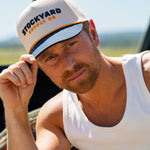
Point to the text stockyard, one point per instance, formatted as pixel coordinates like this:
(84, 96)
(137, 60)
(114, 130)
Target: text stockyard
(39, 18)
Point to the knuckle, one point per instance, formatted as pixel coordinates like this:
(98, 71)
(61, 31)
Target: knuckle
(11, 66)
(14, 67)
(9, 74)
(29, 76)
(5, 72)
(23, 57)
(21, 64)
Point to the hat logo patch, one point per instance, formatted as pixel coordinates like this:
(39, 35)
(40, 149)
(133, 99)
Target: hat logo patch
(40, 20)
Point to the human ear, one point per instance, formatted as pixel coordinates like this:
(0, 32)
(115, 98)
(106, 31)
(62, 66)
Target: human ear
(93, 33)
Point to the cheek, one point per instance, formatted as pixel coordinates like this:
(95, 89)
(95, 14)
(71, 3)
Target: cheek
(54, 74)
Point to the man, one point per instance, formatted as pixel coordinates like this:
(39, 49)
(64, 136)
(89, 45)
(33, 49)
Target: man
(105, 103)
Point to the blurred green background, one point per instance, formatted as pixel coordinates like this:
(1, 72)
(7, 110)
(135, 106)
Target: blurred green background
(114, 45)
(120, 27)
(12, 54)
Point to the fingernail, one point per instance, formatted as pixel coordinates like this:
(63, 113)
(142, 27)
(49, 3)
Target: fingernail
(25, 85)
(30, 81)
(31, 58)
(19, 84)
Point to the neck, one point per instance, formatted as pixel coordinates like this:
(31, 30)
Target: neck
(110, 80)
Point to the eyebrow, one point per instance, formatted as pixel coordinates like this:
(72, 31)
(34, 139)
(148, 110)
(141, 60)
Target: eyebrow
(64, 43)
(44, 54)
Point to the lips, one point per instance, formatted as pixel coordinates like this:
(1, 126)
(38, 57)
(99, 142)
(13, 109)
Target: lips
(77, 75)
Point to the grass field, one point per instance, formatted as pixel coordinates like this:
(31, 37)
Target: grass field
(118, 51)
(12, 55)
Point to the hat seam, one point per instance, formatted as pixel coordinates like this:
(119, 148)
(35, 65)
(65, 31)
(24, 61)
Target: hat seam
(71, 8)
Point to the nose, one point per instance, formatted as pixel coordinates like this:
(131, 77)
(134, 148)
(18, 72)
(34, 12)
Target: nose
(67, 61)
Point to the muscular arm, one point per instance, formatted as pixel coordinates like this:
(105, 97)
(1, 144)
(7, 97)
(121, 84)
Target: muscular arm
(146, 69)
(50, 132)
(16, 87)
(19, 132)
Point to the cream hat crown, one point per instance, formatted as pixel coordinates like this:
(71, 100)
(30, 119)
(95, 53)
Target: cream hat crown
(47, 22)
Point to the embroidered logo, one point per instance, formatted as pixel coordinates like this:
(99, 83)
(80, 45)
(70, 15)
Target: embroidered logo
(40, 20)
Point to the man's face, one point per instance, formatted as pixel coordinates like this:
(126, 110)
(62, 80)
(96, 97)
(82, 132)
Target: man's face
(73, 64)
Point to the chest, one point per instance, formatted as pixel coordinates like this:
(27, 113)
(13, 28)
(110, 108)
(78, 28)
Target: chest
(105, 115)
(130, 132)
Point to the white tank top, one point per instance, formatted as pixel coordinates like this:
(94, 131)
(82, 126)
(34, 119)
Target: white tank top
(131, 133)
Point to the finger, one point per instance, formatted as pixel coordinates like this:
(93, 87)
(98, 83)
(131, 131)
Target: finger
(17, 70)
(30, 71)
(23, 72)
(8, 76)
(32, 63)
(28, 58)
(26, 76)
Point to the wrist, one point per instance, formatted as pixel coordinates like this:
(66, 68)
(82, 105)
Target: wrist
(16, 108)
(20, 114)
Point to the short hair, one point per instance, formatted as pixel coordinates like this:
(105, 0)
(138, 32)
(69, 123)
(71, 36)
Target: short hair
(86, 27)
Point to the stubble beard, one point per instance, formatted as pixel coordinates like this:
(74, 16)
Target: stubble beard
(86, 82)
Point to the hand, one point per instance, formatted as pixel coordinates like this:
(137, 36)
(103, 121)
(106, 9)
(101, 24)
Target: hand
(17, 83)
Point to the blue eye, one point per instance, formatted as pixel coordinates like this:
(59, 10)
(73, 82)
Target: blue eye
(71, 44)
(51, 57)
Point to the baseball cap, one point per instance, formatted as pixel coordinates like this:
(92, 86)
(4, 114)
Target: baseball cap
(47, 22)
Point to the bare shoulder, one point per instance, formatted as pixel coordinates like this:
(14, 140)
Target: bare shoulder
(52, 112)
(49, 127)
(146, 58)
(146, 68)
